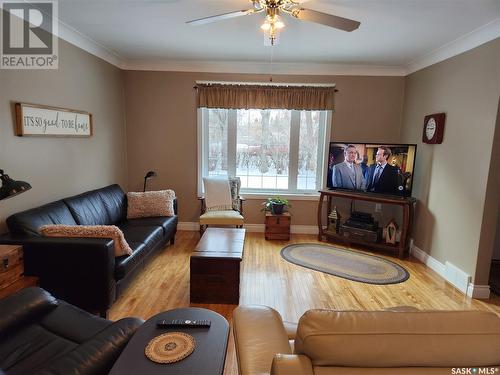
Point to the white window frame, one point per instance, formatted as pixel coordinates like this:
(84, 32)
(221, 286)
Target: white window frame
(291, 192)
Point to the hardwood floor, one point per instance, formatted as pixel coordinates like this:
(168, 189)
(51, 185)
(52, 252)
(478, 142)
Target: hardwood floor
(267, 279)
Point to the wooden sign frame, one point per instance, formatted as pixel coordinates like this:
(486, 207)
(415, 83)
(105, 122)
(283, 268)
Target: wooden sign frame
(42, 120)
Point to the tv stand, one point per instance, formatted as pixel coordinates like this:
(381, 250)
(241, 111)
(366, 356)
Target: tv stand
(407, 205)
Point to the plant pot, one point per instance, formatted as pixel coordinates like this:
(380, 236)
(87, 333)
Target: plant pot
(277, 209)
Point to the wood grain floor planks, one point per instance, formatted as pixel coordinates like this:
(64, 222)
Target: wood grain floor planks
(267, 279)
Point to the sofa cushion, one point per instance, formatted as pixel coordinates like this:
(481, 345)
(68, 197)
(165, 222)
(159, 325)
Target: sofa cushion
(90, 231)
(167, 223)
(150, 204)
(125, 264)
(370, 338)
(27, 222)
(103, 206)
(149, 236)
(115, 202)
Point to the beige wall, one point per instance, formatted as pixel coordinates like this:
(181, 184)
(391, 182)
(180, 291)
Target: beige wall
(59, 167)
(162, 128)
(489, 228)
(451, 178)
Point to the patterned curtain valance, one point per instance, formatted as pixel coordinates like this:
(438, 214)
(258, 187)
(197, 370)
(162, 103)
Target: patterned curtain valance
(242, 96)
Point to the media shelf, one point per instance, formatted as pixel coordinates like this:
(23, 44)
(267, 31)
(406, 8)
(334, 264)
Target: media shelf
(407, 204)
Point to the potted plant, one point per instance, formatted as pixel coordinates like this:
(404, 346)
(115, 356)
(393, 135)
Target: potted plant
(276, 205)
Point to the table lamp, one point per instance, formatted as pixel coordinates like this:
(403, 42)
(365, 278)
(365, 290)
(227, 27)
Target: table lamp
(11, 187)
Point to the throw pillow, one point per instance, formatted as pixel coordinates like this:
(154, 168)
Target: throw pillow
(235, 184)
(150, 204)
(91, 231)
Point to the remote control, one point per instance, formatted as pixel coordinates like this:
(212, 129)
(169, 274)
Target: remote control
(183, 323)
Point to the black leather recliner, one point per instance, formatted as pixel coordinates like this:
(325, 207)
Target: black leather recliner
(84, 271)
(42, 335)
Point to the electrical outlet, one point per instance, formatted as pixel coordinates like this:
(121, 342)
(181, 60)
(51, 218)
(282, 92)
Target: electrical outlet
(378, 207)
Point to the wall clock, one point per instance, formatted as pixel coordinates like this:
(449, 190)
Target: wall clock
(434, 128)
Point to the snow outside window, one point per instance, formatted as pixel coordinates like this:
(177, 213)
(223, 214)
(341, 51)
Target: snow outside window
(271, 150)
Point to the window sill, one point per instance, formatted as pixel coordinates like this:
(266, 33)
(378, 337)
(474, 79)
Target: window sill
(291, 197)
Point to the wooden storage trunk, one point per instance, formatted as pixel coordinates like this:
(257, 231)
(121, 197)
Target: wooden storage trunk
(278, 226)
(11, 264)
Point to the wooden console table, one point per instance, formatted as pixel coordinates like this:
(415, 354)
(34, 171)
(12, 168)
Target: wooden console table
(406, 203)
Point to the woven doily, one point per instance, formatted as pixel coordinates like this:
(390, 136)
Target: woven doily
(170, 347)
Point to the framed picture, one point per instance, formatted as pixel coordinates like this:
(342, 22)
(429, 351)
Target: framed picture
(40, 120)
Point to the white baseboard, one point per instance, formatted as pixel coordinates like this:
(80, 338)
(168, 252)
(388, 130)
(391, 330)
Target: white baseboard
(258, 228)
(426, 259)
(478, 291)
(187, 225)
(456, 277)
(452, 274)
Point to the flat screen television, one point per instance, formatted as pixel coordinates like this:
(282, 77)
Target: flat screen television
(379, 168)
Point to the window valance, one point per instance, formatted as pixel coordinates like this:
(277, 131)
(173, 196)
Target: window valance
(244, 96)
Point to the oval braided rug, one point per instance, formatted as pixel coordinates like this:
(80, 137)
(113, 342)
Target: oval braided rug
(345, 263)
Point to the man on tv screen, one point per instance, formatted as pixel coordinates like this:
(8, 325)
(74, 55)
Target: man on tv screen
(383, 177)
(348, 174)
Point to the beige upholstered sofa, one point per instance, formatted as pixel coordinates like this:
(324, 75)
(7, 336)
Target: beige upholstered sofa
(396, 341)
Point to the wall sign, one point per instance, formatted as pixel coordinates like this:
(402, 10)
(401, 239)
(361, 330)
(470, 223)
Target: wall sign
(32, 119)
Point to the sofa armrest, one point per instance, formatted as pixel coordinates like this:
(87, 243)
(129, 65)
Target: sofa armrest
(77, 270)
(175, 206)
(291, 364)
(98, 354)
(27, 304)
(259, 335)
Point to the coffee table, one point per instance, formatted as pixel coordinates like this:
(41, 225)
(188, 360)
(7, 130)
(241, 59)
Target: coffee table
(215, 266)
(207, 358)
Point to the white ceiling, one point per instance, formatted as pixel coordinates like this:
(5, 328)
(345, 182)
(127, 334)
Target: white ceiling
(393, 33)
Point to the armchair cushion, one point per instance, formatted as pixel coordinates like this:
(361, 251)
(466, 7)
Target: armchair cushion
(230, 217)
(58, 338)
(369, 338)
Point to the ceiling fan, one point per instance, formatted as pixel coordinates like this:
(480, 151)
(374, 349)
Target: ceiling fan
(273, 9)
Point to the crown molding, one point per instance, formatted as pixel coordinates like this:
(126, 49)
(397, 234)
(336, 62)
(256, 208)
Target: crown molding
(89, 45)
(264, 68)
(474, 39)
(467, 42)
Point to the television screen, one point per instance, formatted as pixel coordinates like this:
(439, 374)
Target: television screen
(372, 167)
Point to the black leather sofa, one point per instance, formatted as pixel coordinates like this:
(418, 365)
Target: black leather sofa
(43, 335)
(84, 271)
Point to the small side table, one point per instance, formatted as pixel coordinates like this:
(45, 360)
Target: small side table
(208, 357)
(278, 226)
(12, 277)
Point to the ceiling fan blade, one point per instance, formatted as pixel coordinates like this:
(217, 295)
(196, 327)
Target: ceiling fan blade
(223, 16)
(325, 19)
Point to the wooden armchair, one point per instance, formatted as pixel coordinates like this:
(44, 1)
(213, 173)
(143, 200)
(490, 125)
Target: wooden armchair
(225, 217)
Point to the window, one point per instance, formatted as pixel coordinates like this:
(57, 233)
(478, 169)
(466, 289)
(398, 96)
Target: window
(271, 150)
